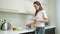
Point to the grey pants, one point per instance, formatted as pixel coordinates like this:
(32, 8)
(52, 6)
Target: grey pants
(40, 30)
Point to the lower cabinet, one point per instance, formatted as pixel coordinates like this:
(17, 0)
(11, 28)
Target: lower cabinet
(50, 31)
(47, 31)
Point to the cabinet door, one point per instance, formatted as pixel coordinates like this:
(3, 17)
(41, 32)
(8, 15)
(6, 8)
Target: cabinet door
(21, 6)
(15, 5)
(50, 31)
(28, 6)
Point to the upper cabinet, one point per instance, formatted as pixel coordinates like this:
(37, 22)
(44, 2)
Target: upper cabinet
(28, 6)
(19, 6)
(12, 5)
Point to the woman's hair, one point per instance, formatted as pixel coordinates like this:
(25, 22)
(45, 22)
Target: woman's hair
(38, 3)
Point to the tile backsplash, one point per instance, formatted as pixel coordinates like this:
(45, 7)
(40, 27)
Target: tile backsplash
(15, 19)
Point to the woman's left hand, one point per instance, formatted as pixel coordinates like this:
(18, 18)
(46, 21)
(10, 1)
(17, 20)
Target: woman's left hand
(38, 20)
(45, 20)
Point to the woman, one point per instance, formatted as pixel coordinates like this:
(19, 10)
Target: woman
(41, 18)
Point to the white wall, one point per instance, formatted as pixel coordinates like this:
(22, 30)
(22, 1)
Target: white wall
(15, 19)
(51, 10)
(58, 16)
(54, 13)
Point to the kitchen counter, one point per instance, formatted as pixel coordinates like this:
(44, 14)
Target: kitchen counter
(22, 31)
(7, 32)
(25, 31)
(48, 27)
(16, 32)
(31, 30)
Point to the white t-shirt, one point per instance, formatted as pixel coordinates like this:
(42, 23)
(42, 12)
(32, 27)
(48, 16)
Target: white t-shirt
(40, 16)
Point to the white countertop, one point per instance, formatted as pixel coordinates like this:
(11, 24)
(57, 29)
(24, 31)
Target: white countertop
(15, 32)
(7, 32)
(48, 27)
(31, 30)
(22, 31)
(25, 31)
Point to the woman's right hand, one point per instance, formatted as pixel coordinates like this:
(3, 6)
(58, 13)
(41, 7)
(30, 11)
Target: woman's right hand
(28, 26)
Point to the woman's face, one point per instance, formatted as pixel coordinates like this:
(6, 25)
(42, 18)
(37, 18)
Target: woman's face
(36, 6)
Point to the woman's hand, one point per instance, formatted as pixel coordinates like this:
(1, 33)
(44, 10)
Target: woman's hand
(28, 25)
(38, 20)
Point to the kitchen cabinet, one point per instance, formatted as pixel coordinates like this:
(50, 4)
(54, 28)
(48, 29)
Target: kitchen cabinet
(47, 31)
(50, 31)
(28, 6)
(19, 6)
(12, 5)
